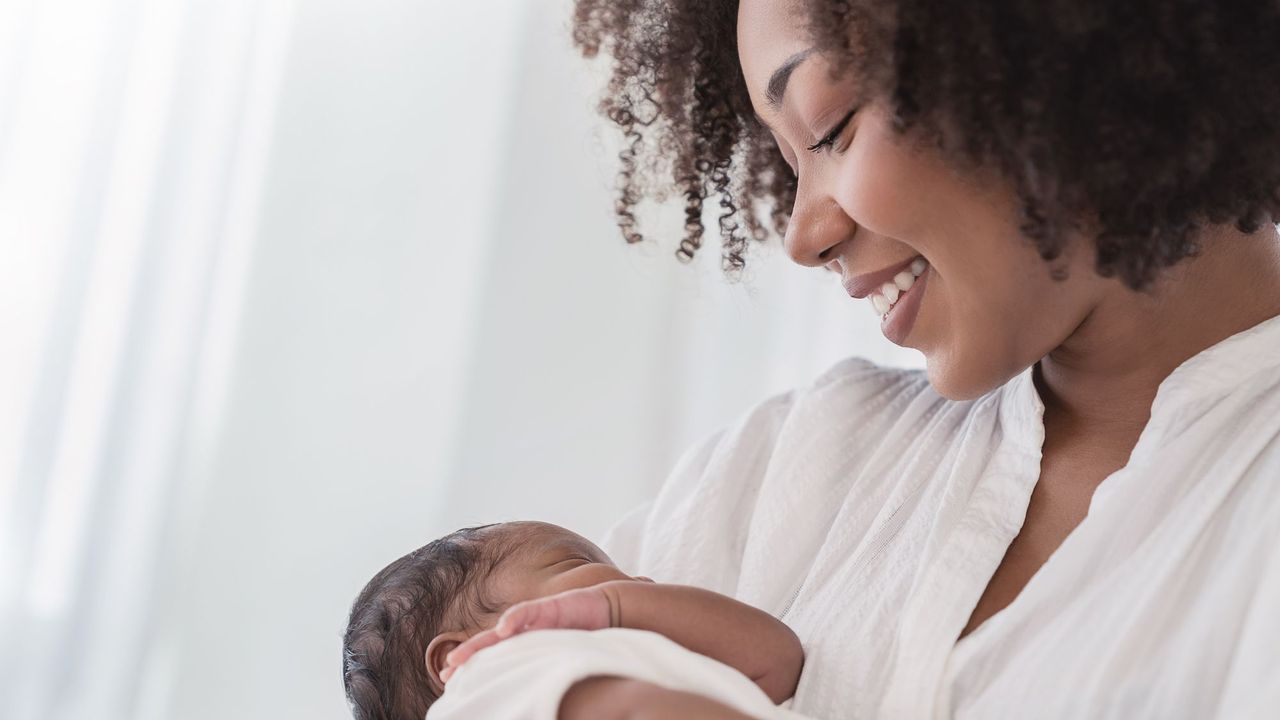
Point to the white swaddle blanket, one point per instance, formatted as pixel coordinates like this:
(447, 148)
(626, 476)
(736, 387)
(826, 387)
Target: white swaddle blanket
(525, 677)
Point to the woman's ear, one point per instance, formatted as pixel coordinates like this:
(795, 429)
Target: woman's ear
(439, 648)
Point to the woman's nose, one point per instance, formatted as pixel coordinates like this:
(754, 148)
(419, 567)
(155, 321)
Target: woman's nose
(816, 227)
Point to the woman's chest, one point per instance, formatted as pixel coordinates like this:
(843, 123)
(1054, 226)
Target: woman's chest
(1058, 504)
(1131, 621)
(1131, 587)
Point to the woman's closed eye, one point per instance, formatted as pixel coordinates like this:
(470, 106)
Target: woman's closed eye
(831, 137)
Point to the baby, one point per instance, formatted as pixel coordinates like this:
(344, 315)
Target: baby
(477, 586)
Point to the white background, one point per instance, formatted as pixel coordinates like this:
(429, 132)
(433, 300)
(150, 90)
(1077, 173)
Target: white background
(415, 314)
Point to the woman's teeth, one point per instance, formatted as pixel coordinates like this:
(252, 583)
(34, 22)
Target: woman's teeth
(884, 299)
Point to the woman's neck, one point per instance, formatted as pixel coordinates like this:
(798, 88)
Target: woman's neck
(1101, 382)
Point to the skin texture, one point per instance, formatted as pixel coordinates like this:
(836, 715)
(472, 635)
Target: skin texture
(991, 309)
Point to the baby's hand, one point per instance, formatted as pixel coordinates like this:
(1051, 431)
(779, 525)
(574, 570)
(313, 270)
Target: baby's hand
(583, 609)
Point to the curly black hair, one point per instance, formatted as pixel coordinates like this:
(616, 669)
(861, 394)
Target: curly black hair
(1135, 122)
(397, 614)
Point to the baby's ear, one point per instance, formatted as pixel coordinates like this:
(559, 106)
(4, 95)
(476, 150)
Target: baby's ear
(439, 647)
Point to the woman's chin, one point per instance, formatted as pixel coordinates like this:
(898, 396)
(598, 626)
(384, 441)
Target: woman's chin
(957, 380)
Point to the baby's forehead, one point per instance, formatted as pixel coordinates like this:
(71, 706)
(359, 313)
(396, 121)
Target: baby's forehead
(539, 538)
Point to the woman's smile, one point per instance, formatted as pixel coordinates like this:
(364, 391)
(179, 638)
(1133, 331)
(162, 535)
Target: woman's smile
(884, 297)
(897, 286)
(902, 304)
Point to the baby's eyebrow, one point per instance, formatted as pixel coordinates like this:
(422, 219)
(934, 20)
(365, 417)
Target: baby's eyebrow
(578, 547)
(559, 546)
(560, 561)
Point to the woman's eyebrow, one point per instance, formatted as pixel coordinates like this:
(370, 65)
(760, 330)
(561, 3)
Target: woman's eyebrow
(778, 81)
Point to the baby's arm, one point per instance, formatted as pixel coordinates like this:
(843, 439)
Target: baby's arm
(746, 638)
(749, 640)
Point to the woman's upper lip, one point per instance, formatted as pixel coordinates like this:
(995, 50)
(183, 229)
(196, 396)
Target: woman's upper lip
(863, 285)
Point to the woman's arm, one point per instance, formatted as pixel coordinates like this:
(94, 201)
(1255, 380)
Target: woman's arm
(612, 698)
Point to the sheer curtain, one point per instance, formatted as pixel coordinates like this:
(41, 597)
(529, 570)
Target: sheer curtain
(131, 158)
(287, 289)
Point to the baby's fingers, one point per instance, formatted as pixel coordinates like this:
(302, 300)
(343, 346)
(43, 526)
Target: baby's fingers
(531, 615)
(474, 644)
(582, 609)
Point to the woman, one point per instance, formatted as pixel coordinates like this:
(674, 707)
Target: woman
(1074, 512)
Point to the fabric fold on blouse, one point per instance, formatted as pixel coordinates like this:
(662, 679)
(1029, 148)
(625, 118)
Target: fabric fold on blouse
(869, 513)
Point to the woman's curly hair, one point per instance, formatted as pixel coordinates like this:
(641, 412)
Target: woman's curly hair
(1134, 121)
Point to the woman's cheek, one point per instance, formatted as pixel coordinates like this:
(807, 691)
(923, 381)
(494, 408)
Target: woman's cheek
(888, 188)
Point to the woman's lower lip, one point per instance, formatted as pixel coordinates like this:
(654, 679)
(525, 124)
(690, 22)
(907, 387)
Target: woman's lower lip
(897, 323)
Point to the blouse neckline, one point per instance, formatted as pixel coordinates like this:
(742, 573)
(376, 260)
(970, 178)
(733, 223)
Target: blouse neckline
(1209, 374)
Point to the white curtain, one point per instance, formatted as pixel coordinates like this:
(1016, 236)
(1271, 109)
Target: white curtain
(132, 140)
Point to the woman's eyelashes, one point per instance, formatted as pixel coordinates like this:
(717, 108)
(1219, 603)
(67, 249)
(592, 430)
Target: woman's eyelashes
(832, 136)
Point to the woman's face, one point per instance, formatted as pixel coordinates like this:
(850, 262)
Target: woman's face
(986, 307)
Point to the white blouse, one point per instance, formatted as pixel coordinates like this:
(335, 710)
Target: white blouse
(869, 513)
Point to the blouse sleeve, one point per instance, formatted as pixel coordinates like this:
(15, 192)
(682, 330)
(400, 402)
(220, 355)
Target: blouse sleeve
(753, 480)
(695, 531)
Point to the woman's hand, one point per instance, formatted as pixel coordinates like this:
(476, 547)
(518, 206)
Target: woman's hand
(614, 698)
(583, 609)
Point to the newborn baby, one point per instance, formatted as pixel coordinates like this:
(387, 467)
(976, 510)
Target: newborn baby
(421, 617)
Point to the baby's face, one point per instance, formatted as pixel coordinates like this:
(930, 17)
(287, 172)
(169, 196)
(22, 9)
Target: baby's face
(547, 560)
(537, 560)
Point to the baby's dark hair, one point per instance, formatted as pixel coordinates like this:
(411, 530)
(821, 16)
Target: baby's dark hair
(397, 614)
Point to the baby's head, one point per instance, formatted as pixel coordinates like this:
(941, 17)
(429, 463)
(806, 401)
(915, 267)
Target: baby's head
(420, 607)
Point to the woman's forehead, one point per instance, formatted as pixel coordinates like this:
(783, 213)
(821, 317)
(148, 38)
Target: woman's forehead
(771, 35)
